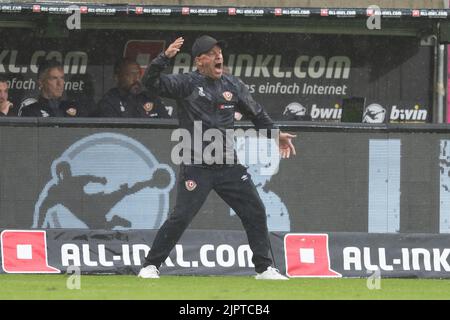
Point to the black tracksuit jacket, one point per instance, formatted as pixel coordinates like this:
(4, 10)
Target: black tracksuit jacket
(116, 103)
(41, 108)
(199, 98)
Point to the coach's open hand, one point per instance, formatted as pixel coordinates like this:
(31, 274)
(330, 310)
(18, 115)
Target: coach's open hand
(174, 48)
(285, 144)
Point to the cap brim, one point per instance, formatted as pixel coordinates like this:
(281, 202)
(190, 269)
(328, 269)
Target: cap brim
(222, 44)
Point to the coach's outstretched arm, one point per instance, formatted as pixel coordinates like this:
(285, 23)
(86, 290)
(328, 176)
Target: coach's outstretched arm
(170, 86)
(177, 86)
(262, 120)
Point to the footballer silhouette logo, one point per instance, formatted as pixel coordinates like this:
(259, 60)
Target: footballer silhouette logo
(296, 111)
(105, 181)
(374, 113)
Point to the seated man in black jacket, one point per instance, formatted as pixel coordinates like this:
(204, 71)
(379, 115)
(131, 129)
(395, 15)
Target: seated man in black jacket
(51, 101)
(128, 99)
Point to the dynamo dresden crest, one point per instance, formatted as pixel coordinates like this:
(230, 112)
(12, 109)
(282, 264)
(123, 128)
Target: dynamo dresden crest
(228, 95)
(148, 106)
(190, 185)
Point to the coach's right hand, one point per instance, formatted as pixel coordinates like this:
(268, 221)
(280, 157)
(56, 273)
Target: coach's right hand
(174, 48)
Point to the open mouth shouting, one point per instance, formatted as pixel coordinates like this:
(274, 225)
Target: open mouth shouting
(218, 68)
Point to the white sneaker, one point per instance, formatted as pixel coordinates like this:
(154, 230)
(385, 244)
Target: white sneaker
(149, 272)
(270, 274)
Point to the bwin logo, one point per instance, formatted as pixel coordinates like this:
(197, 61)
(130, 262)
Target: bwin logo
(105, 181)
(326, 113)
(374, 113)
(399, 114)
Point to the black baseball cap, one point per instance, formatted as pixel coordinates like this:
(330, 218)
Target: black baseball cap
(204, 44)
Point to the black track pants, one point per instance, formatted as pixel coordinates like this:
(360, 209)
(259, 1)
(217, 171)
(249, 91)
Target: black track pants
(234, 185)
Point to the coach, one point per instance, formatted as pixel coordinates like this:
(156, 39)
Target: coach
(210, 97)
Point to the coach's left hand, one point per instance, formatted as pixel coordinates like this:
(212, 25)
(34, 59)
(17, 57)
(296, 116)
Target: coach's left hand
(285, 144)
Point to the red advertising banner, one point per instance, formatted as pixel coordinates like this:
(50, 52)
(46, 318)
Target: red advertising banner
(207, 252)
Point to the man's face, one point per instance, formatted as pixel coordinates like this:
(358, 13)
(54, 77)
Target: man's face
(210, 64)
(129, 78)
(3, 92)
(52, 83)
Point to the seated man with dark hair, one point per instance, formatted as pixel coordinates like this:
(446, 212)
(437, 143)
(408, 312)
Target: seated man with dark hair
(129, 99)
(51, 101)
(5, 104)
